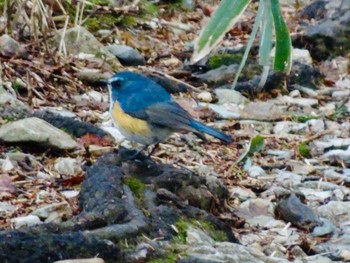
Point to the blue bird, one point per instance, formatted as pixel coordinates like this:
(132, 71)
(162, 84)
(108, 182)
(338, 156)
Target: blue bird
(145, 112)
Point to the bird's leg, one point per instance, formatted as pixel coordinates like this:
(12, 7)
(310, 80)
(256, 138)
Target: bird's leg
(132, 157)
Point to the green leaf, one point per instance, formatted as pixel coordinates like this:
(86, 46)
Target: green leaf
(256, 144)
(304, 150)
(250, 41)
(266, 35)
(283, 51)
(222, 20)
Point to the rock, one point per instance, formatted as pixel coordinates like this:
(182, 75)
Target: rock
(36, 131)
(79, 40)
(336, 68)
(70, 193)
(262, 110)
(299, 101)
(188, 5)
(326, 228)
(307, 91)
(255, 207)
(22, 159)
(220, 75)
(316, 125)
(126, 55)
(338, 155)
(242, 194)
(223, 111)
(287, 179)
(327, 37)
(54, 212)
(205, 96)
(85, 260)
(321, 9)
(68, 166)
(285, 127)
(95, 96)
(336, 211)
(295, 94)
(302, 56)
(230, 96)
(9, 100)
(6, 208)
(256, 171)
(11, 48)
(280, 154)
(291, 209)
(265, 222)
(25, 221)
(341, 94)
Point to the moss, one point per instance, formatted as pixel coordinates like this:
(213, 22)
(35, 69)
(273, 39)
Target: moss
(135, 185)
(171, 257)
(303, 118)
(219, 60)
(304, 150)
(183, 224)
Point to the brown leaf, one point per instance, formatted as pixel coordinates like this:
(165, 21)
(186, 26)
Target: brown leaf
(93, 139)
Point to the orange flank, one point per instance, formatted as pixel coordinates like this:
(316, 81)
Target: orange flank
(129, 123)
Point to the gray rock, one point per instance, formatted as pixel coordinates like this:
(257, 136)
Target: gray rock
(325, 229)
(11, 48)
(9, 100)
(264, 221)
(300, 101)
(68, 166)
(285, 127)
(37, 131)
(79, 40)
(224, 111)
(316, 125)
(127, 56)
(287, 179)
(16, 157)
(6, 208)
(262, 110)
(336, 211)
(25, 221)
(302, 56)
(230, 96)
(188, 5)
(338, 155)
(280, 154)
(205, 96)
(256, 171)
(341, 94)
(54, 212)
(220, 75)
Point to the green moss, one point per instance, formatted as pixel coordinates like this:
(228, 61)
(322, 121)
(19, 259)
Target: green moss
(183, 224)
(135, 185)
(219, 60)
(304, 150)
(171, 257)
(303, 118)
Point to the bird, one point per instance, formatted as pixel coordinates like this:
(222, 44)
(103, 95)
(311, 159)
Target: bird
(145, 112)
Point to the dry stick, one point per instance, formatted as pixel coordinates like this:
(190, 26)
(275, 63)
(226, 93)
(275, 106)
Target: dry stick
(62, 43)
(189, 86)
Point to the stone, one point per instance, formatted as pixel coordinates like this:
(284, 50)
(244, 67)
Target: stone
(262, 110)
(338, 155)
(54, 212)
(220, 75)
(230, 96)
(205, 96)
(36, 131)
(295, 94)
(78, 40)
(304, 102)
(316, 125)
(11, 48)
(6, 208)
(336, 211)
(256, 171)
(223, 111)
(95, 96)
(127, 56)
(302, 56)
(286, 127)
(280, 154)
(25, 221)
(325, 229)
(68, 166)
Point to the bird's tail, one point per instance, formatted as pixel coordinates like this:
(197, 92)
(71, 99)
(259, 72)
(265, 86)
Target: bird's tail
(211, 131)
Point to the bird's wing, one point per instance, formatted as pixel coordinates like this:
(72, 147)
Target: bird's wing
(168, 114)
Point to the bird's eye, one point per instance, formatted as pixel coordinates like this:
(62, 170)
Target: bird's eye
(116, 83)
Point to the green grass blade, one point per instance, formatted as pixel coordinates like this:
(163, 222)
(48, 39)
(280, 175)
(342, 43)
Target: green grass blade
(283, 58)
(223, 19)
(250, 41)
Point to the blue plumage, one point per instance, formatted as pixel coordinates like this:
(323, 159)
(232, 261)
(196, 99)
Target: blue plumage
(142, 99)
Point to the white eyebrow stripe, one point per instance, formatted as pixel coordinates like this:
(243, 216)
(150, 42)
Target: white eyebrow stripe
(110, 80)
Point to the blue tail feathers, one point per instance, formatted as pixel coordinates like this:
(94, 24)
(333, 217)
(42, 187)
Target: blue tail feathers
(211, 131)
